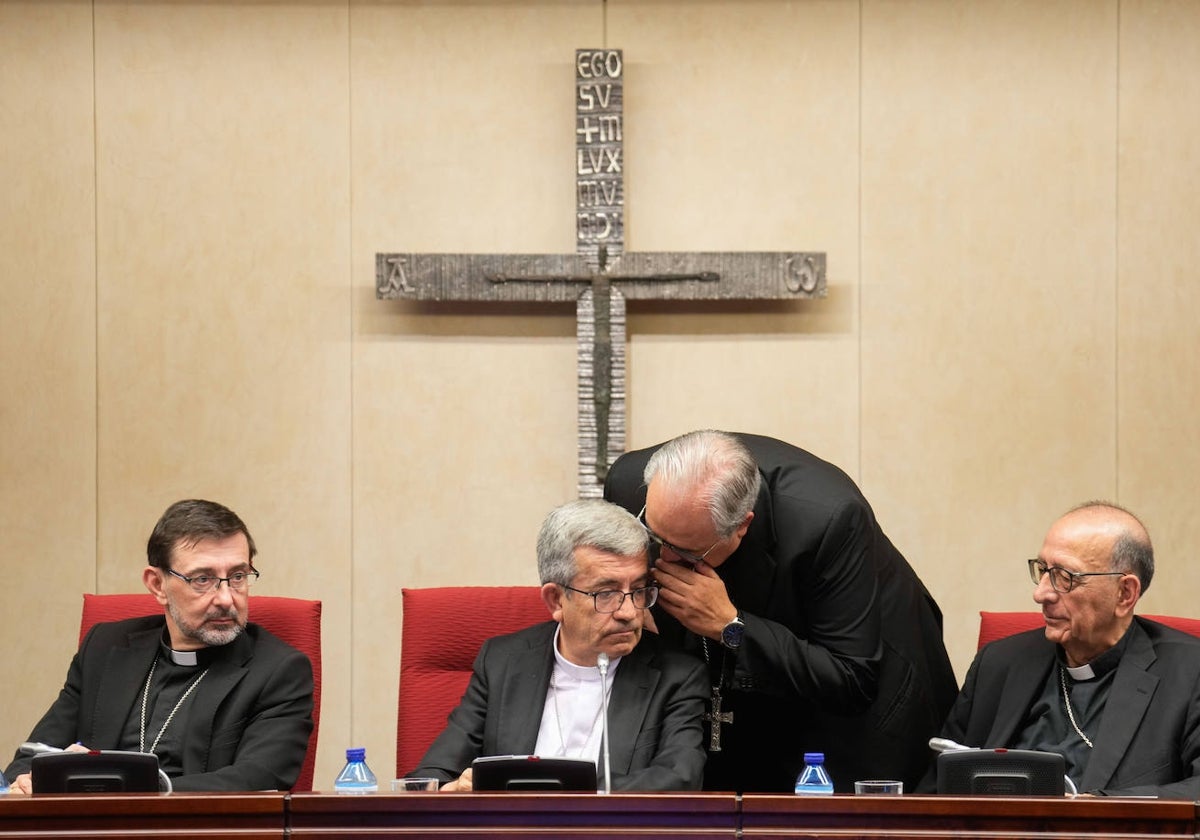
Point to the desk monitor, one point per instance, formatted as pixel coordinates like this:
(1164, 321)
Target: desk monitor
(1001, 772)
(97, 771)
(531, 772)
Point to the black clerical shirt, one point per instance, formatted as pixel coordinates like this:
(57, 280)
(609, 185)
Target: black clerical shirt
(174, 673)
(1047, 725)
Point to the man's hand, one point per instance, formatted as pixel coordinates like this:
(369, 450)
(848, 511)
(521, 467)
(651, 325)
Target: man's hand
(695, 597)
(24, 782)
(462, 783)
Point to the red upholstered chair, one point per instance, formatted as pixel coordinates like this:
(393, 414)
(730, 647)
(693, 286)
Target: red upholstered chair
(443, 629)
(296, 621)
(997, 625)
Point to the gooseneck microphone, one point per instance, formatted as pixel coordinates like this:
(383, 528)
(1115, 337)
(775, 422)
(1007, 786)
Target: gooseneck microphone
(602, 664)
(946, 745)
(37, 748)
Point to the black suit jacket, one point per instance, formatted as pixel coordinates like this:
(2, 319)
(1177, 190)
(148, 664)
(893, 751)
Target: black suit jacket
(654, 712)
(1148, 742)
(248, 722)
(843, 649)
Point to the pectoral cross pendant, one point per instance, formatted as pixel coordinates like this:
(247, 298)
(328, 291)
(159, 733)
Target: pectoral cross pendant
(715, 718)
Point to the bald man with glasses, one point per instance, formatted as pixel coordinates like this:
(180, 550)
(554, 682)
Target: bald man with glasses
(1118, 696)
(818, 634)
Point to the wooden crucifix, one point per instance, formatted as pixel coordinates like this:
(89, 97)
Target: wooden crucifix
(600, 276)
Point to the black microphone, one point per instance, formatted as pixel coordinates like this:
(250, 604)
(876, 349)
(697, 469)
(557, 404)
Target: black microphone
(602, 664)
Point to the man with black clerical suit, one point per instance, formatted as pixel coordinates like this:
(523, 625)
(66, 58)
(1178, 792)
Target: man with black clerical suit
(222, 703)
(539, 691)
(1117, 695)
(818, 634)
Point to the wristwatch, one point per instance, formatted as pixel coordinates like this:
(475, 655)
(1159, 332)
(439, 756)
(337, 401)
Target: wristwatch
(731, 636)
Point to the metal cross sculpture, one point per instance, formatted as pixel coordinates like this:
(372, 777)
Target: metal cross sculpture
(600, 276)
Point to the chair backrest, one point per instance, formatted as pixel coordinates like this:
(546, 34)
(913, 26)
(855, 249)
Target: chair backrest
(443, 629)
(296, 621)
(998, 625)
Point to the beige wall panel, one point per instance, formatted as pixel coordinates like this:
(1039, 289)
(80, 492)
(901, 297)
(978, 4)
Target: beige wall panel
(1159, 300)
(187, 286)
(47, 349)
(742, 134)
(464, 414)
(988, 285)
(224, 327)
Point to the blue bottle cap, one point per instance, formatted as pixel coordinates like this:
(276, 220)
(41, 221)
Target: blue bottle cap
(814, 758)
(356, 754)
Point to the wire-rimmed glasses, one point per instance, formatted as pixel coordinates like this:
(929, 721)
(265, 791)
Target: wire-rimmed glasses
(204, 583)
(687, 556)
(1061, 580)
(610, 600)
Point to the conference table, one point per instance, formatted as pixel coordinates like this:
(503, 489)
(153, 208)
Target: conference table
(254, 816)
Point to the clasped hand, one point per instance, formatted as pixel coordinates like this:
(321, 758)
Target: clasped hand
(694, 596)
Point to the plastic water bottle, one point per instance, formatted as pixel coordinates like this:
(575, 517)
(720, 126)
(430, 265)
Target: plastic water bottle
(813, 779)
(356, 776)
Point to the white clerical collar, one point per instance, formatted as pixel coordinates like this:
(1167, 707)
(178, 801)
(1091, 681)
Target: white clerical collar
(186, 658)
(189, 658)
(183, 657)
(1083, 672)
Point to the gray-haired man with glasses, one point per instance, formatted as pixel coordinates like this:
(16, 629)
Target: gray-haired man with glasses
(222, 703)
(1117, 695)
(540, 691)
(818, 634)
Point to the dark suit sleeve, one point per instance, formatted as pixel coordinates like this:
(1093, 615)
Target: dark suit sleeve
(835, 664)
(956, 726)
(674, 741)
(1167, 744)
(272, 741)
(461, 742)
(60, 725)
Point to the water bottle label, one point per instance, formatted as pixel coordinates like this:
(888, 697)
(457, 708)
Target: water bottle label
(814, 790)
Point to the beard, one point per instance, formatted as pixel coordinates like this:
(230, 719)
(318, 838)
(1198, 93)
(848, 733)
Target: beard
(206, 635)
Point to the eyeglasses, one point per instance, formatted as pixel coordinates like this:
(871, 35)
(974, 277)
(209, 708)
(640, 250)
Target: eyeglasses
(610, 600)
(238, 581)
(1061, 579)
(688, 556)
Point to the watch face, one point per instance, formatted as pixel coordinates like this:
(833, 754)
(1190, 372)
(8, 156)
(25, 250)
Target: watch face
(731, 636)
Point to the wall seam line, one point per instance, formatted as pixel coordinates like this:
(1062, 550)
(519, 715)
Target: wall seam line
(1117, 268)
(95, 315)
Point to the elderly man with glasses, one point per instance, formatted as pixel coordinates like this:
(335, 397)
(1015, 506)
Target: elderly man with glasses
(1116, 695)
(819, 635)
(222, 703)
(541, 691)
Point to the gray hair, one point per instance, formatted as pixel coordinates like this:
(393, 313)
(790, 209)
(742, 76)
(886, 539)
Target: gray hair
(1132, 550)
(586, 522)
(717, 468)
